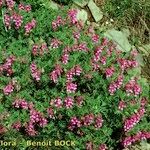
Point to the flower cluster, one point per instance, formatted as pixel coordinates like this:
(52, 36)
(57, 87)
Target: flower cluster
(109, 72)
(71, 87)
(121, 105)
(36, 118)
(8, 89)
(76, 70)
(17, 125)
(68, 102)
(20, 103)
(30, 26)
(98, 121)
(116, 85)
(102, 147)
(132, 87)
(7, 20)
(95, 38)
(1, 3)
(65, 58)
(7, 66)
(10, 4)
(58, 22)
(129, 123)
(17, 19)
(74, 123)
(141, 135)
(72, 14)
(35, 72)
(76, 35)
(86, 120)
(126, 64)
(26, 8)
(55, 43)
(50, 112)
(54, 75)
(39, 49)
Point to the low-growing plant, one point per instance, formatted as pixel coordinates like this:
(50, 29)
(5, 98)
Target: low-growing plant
(61, 79)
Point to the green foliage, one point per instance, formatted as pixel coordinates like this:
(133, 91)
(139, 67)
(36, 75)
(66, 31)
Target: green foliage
(92, 84)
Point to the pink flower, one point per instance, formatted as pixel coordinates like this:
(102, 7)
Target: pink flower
(132, 87)
(102, 147)
(37, 117)
(35, 49)
(27, 8)
(7, 66)
(76, 35)
(97, 53)
(36, 74)
(103, 60)
(134, 119)
(55, 43)
(57, 23)
(17, 125)
(141, 135)
(58, 102)
(1, 3)
(95, 38)
(127, 141)
(29, 26)
(109, 72)
(17, 19)
(21, 6)
(29, 128)
(73, 16)
(8, 89)
(77, 70)
(20, 103)
(10, 4)
(126, 64)
(105, 42)
(89, 146)
(79, 100)
(83, 47)
(74, 123)
(71, 87)
(7, 21)
(98, 122)
(88, 119)
(54, 76)
(65, 58)
(43, 48)
(121, 105)
(115, 85)
(50, 112)
(56, 73)
(68, 102)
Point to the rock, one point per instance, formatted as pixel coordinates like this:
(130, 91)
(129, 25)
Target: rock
(53, 5)
(82, 15)
(81, 3)
(119, 38)
(95, 10)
